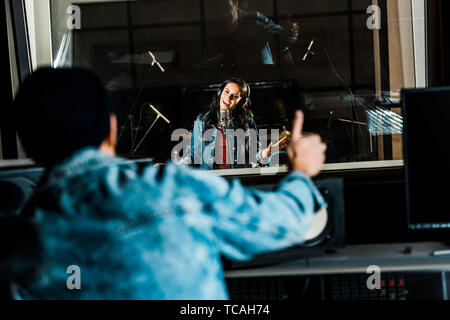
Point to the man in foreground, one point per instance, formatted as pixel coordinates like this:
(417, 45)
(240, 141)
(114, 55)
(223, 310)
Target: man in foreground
(111, 231)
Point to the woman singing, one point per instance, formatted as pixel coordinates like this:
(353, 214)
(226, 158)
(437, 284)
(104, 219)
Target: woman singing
(226, 136)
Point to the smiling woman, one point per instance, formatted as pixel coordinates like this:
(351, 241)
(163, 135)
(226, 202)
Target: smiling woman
(216, 141)
(230, 97)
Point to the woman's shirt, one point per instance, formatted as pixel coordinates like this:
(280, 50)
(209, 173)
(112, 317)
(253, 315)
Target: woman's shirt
(243, 148)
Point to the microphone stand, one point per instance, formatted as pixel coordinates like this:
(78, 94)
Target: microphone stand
(156, 61)
(158, 116)
(130, 114)
(359, 124)
(308, 50)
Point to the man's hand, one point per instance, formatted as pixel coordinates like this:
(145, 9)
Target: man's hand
(306, 154)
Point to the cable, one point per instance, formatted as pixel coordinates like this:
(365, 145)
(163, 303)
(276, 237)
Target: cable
(352, 95)
(366, 106)
(305, 287)
(134, 138)
(389, 122)
(134, 106)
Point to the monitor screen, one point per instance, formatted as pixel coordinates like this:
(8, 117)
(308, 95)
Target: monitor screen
(427, 157)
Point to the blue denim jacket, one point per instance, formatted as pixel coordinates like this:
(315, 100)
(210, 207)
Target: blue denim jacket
(203, 147)
(155, 233)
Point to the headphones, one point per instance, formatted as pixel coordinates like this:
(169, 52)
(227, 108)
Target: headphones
(247, 96)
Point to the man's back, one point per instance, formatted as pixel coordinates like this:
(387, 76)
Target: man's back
(155, 234)
(111, 232)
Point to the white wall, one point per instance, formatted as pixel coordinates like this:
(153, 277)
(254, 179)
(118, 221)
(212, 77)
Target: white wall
(39, 30)
(420, 47)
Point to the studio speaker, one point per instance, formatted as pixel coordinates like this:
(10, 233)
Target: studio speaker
(331, 237)
(16, 187)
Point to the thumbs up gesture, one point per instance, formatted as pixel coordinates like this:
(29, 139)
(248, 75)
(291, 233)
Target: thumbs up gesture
(306, 154)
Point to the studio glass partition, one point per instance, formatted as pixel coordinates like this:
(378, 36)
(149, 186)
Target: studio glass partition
(342, 62)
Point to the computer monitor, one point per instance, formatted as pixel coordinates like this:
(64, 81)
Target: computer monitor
(426, 138)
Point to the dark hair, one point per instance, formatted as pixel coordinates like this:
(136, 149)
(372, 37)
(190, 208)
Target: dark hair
(59, 111)
(241, 115)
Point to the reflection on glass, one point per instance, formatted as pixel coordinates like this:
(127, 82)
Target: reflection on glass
(319, 56)
(384, 122)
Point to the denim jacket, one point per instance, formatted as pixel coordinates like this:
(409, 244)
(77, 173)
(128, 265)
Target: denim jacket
(154, 233)
(203, 147)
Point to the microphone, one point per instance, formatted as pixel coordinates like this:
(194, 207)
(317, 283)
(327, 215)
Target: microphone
(224, 118)
(330, 118)
(156, 61)
(158, 113)
(308, 51)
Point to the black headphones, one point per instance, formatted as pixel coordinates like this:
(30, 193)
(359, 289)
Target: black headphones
(247, 96)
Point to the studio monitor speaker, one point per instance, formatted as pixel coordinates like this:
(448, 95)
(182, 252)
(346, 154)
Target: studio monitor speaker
(16, 187)
(331, 237)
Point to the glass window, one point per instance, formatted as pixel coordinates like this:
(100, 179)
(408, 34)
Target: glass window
(342, 62)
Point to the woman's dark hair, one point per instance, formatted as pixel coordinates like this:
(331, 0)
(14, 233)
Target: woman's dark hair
(241, 115)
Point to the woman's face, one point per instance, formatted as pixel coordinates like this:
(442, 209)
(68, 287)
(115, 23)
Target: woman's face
(231, 96)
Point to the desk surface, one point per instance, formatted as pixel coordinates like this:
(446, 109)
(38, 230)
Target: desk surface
(330, 167)
(356, 259)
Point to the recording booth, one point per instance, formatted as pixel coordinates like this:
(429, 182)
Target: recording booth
(369, 79)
